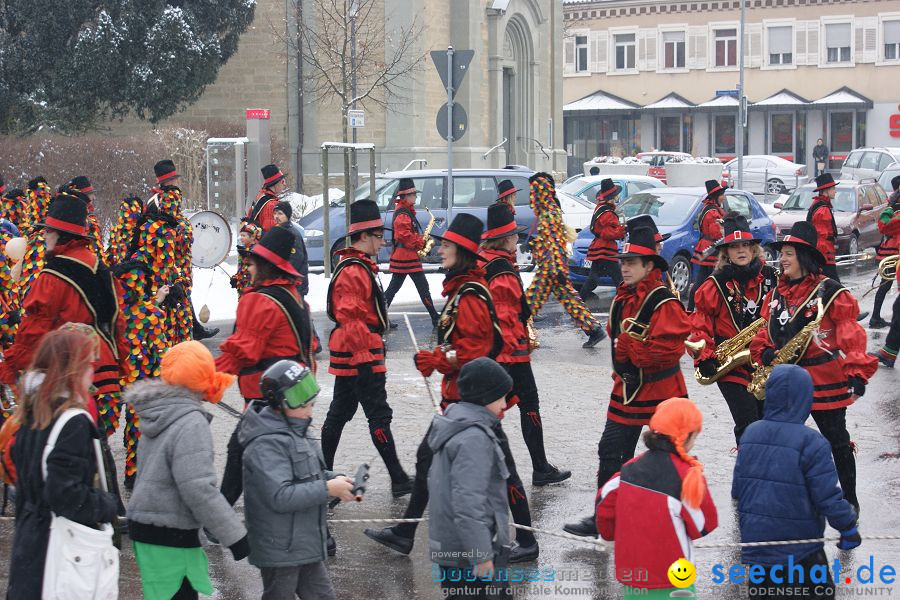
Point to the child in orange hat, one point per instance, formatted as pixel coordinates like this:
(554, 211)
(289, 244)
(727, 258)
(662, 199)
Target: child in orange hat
(658, 503)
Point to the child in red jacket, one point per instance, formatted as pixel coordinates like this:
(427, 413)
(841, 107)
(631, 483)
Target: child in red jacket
(658, 502)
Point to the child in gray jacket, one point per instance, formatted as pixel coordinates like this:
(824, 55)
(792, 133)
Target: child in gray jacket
(286, 487)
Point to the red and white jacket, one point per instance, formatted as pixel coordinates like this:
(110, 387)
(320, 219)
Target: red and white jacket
(641, 509)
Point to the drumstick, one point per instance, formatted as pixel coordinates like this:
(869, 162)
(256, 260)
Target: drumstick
(412, 336)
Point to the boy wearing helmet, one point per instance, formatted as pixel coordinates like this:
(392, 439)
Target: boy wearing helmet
(286, 487)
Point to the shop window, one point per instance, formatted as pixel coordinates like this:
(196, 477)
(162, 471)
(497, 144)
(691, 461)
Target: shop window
(670, 133)
(581, 53)
(726, 47)
(625, 51)
(782, 131)
(891, 36)
(837, 43)
(725, 133)
(673, 49)
(781, 45)
(840, 127)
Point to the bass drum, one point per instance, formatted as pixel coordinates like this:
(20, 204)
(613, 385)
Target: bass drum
(212, 239)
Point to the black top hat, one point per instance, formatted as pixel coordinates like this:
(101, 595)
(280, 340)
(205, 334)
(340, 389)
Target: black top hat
(714, 188)
(67, 214)
(271, 175)
(641, 243)
(803, 236)
(33, 184)
(501, 222)
(608, 189)
(82, 184)
(165, 170)
(645, 221)
(895, 183)
(14, 193)
(465, 232)
(276, 247)
(824, 181)
(736, 229)
(405, 186)
(504, 188)
(365, 216)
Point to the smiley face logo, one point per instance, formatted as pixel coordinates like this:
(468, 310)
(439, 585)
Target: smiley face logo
(682, 573)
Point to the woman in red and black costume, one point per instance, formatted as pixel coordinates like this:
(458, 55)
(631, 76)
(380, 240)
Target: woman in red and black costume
(835, 358)
(468, 329)
(821, 216)
(608, 230)
(711, 215)
(726, 303)
(272, 324)
(506, 195)
(262, 211)
(647, 327)
(408, 240)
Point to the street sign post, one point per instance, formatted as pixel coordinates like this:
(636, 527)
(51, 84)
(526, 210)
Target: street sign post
(356, 118)
(459, 122)
(452, 66)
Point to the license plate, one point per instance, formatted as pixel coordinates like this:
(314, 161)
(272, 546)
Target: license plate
(586, 264)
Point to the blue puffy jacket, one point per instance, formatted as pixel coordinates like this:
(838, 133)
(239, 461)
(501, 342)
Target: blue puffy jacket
(785, 480)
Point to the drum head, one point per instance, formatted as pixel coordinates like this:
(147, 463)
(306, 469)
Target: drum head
(212, 239)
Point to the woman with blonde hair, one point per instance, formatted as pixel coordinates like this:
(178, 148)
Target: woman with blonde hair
(57, 380)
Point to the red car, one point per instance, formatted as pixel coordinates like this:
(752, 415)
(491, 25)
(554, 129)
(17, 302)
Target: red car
(657, 160)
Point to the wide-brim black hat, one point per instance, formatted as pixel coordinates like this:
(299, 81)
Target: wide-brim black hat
(501, 222)
(641, 243)
(608, 189)
(505, 188)
(67, 214)
(365, 216)
(465, 231)
(165, 170)
(405, 186)
(736, 229)
(824, 181)
(276, 247)
(645, 221)
(82, 184)
(714, 188)
(271, 175)
(802, 236)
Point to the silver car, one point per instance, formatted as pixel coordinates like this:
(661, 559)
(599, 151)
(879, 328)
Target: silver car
(884, 180)
(868, 163)
(766, 174)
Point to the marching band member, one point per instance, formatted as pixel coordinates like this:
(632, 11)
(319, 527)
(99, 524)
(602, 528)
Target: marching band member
(647, 327)
(603, 251)
(836, 355)
(262, 211)
(506, 195)
(468, 329)
(821, 216)
(498, 250)
(122, 232)
(889, 227)
(83, 184)
(727, 303)
(710, 220)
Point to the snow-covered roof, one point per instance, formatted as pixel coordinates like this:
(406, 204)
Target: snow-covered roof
(720, 102)
(600, 100)
(844, 96)
(672, 100)
(783, 98)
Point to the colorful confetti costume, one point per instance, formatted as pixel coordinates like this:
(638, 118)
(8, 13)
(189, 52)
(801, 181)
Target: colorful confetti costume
(241, 279)
(146, 337)
(12, 207)
(121, 234)
(162, 240)
(549, 251)
(37, 203)
(9, 314)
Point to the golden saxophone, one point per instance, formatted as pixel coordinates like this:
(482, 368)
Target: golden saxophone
(426, 237)
(731, 353)
(789, 353)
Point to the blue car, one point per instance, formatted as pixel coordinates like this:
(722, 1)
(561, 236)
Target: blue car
(473, 191)
(676, 212)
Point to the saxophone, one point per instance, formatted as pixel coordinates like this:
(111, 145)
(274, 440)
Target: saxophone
(731, 353)
(789, 353)
(426, 237)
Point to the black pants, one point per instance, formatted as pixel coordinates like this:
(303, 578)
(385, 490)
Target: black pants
(831, 271)
(617, 445)
(462, 589)
(515, 491)
(366, 388)
(833, 425)
(893, 337)
(185, 592)
(880, 295)
(768, 589)
(703, 274)
(598, 269)
(421, 282)
(525, 388)
(233, 477)
(744, 406)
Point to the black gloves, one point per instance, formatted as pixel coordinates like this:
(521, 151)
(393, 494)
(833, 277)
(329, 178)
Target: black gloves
(176, 296)
(240, 549)
(856, 385)
(768, 355)
(708, 367)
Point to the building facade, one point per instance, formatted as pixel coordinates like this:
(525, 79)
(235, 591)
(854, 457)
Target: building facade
(663, 74)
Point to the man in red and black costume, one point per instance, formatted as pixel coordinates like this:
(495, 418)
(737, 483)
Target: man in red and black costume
(604, 249)
(83, 184)
(836, 356)
(647, 327)
(356, 305)
(262, 211)
(468, 329)
(710, 220)
(408, 240)
(889, 227)
(821, 216)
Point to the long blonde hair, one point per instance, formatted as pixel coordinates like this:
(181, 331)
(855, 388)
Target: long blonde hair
(723, 256)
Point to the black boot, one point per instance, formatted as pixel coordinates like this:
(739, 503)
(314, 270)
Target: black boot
(586, 527)
(387, 537)
(595, 336)
(550, 475)
(202, 333)
(519, 553)
(846, 470)
(401, 484)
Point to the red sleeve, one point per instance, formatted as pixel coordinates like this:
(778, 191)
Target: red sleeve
(821, 222)
(605, 503)
(890, 228)
(507, 295)
(47, 294)
(711, 227)
(706, 301)
(669, 327)
(404, 234)
(850, 337)
(699, 522)
(610, 228)
(246, 346)
(472, 337)
(761, 340)
(267, 216)
(352, 304)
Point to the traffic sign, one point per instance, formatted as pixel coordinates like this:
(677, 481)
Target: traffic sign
(356, 118)
(732, 93)
(461, 60)
(460, 121)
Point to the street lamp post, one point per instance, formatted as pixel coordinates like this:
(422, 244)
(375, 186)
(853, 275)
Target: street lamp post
(742, 101)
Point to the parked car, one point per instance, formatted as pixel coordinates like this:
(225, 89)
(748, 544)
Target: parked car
(766, 174)
(884, 180)
(857, 205)
(676, 211)
(868, 163)
(657, 160)
(583, 190)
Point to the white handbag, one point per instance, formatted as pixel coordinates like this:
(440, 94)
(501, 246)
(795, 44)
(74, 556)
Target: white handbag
(82, 562)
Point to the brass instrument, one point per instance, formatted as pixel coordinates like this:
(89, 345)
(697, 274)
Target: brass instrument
(7, 399)
(531, 330)
(673, 289)
(426, 236)
(635, 329)
(887, 268)
(789, 353)
(731, 353)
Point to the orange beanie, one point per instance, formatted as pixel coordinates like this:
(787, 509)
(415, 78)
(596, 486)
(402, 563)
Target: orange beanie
(190, 364)
(677, 418)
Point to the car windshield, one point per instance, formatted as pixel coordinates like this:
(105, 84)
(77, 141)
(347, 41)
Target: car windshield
(362, 192)
(801, 199)
(574, 186)
(667, 210)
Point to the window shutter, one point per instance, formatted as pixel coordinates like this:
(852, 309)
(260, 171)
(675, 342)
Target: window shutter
(602, 55)
(800, 43)
(569, 55)
(865, 49)
(753, 45)
(696, 47)
(593, 52)
(812, 43)
(646, 50)
(891, 32)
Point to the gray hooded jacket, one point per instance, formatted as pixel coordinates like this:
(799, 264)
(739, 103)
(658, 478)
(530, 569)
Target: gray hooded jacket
(176, 483)
(469, 519)
(285, 496)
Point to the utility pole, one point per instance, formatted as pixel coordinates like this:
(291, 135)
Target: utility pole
(742, 100)
(354, 9)
(450, 92)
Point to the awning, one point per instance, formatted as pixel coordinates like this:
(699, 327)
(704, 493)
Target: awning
(719, 104)
(598, 103)
(785, 99)
(672, 102)
(843, 98)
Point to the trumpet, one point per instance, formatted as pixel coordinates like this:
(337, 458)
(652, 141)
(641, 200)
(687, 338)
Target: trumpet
(887, 268)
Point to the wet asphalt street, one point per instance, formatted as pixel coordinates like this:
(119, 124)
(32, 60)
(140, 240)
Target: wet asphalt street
(574, 387)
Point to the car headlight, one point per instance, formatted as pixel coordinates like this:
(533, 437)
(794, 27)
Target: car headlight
(310, 233)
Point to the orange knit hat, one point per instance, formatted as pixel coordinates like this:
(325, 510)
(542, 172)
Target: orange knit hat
(190, 364)
(677, 418)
